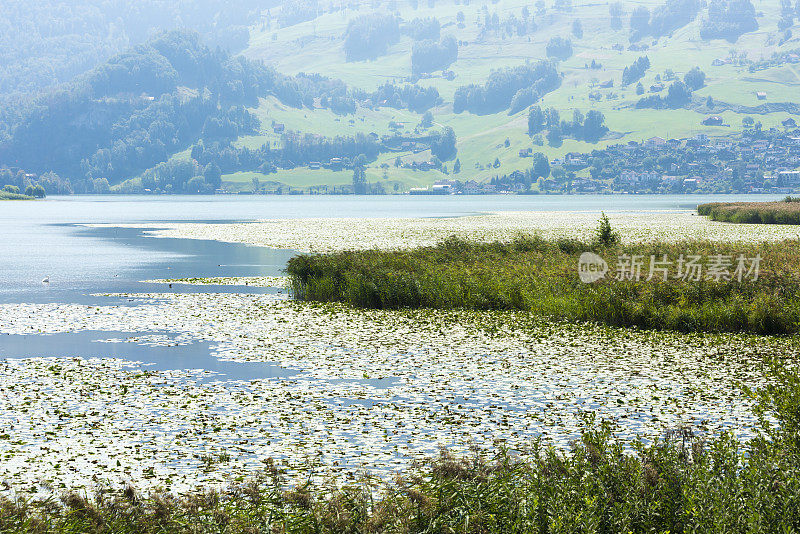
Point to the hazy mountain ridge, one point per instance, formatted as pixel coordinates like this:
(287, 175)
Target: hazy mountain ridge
(588, 47)
(46, 42)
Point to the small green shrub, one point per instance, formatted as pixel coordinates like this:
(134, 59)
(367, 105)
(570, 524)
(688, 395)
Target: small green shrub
(606, 236)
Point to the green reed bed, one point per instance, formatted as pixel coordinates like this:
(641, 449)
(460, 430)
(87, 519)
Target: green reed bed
(541, 276)
(681, 483)
(786, 211)
(5, 195)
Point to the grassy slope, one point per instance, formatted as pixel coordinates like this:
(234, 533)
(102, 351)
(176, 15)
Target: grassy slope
(316, 46)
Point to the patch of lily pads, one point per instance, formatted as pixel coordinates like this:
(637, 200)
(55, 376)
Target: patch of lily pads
(334, 234)
(370, 390)
(367, 390)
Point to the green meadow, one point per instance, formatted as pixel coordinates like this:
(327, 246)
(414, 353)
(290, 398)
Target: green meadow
(317, 46)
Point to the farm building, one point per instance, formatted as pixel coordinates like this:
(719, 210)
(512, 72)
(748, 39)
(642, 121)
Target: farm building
(714, 120)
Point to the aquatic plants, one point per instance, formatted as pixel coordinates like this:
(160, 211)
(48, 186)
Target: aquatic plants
(541, 276)
(355, 370)
(786, 211)
(254, 281)
(336, 235)
(680, 483)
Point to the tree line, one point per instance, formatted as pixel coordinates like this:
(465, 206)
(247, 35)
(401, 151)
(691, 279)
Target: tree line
(419, 29)
(20, 183)
(729, 19)
(497, 93)
(664, 19)
(679, 92)
(443, 144)
(295, 149)
(526, 178)
(635, 71)
(428, 55)
(410, 96)
(559, 48)
(589, 127)
(296, 11)
(369, 36)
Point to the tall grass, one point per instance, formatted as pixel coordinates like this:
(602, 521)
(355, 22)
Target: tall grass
(786, 211)
(541, 276)
(680, 483)
(5, 195)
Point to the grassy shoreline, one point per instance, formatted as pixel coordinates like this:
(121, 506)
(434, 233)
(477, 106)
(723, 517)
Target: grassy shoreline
(541, 277)
(5, 195)
(785, 211)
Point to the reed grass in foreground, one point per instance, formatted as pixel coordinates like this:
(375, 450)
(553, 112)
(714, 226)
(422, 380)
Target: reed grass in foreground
(541, 276)
(682, 483)
(786, 211)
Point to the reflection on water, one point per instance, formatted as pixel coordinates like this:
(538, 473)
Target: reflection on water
(115, 260)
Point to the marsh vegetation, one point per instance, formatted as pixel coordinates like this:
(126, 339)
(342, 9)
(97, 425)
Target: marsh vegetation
(540, 276)
(786, 211)
(681, 483)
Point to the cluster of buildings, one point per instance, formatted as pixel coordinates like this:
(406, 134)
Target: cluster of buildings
(755, 162)
(455, 187)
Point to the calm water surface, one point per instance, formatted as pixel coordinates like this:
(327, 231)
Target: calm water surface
(48, 239)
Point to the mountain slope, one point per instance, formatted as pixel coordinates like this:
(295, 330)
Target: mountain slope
(483, 140)
(196, 107)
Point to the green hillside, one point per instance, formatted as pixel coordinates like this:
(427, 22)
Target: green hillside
(317, 46)
(393, 95)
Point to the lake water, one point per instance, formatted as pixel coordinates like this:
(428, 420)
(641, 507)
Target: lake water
(48, 239)
(316, 383)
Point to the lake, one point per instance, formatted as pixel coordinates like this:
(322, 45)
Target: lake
(284, 381)
(47, 239)
(50, 239)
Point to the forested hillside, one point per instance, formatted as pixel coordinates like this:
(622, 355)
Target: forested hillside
(168, 95)
(325, 96)
(46, 42)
